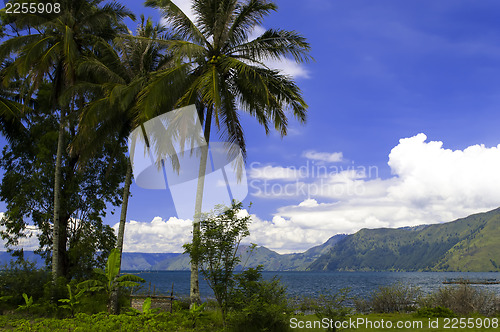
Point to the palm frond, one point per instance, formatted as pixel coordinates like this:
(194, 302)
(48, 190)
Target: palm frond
(274, 44)
(180, 23)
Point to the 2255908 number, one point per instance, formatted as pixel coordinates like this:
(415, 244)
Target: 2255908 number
(32, 8)
(471, 323)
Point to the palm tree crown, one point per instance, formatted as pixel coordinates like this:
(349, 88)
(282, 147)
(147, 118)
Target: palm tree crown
(227, 71)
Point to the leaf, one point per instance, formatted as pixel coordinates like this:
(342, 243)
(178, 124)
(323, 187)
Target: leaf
(113, 265)
(146, 306)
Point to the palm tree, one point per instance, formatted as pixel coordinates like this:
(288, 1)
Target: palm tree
(227, 75)
(49, 49)
(122, 71)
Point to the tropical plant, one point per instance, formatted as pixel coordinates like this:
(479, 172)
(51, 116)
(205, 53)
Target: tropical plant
(119, 74)
(28, 304)
(48, 46)
(72, 301)
(146, 309)
(225, 75)
(110, 278)
(220, 235)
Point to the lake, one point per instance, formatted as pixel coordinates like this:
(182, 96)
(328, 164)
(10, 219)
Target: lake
(314, 283)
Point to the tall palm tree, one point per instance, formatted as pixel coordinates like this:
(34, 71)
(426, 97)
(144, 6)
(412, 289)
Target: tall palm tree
(122, 71)
(228, 75)
(49, 49)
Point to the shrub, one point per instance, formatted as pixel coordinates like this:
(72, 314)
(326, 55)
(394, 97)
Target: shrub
(258, 305)
(21, 277)
(333, 307)
(437, 312)
(395, 298)
(464, 299)
(362, 305)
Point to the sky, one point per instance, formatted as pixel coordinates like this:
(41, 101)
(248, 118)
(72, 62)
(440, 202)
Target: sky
(402, 126)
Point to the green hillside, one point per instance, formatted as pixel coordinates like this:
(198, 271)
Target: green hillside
(467, 244)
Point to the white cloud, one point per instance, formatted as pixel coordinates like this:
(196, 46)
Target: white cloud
(334, 157)
(156, 236)
(430, 184)
(29, 243)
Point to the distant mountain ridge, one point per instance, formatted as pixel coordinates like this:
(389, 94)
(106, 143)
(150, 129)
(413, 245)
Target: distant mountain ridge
(467, 244)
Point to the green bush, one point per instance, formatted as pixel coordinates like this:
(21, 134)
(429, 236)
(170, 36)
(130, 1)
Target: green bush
(18, 278)
(258, 305)
(395, 298)
(464, 299)
(333, 307)
(437, 312)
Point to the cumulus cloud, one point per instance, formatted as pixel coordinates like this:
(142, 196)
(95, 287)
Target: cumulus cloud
(159, 235)
(430, 184)
(29, 242)
(334, 157)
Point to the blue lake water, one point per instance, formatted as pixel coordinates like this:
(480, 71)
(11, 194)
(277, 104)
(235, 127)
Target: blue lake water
(314, 283)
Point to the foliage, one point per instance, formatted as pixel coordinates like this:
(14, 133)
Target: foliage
(28, 304)
(21, 277)
(464, 299)
(333, 306)
(43, 49)
(27, 188)
(110, 279)
(72, 301)
(395, 298)
(103, 322)
(436, 312)
(146, 309)
(257, 304)
(221, 69)
(216, 249)
(196, 312)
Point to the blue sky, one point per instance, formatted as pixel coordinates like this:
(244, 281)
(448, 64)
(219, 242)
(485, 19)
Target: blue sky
(410, 89)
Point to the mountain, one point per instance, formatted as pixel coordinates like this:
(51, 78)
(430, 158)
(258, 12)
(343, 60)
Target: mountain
(466, 244)
(271, 260)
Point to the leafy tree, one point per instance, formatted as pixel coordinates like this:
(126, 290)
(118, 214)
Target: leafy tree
(48, 46)
(257, 304)
(226, 75)
(26, 187)
(220, 235)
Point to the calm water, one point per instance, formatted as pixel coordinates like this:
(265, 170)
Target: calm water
(314, 283)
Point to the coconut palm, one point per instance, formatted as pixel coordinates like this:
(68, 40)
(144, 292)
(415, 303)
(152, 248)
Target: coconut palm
(49, 48)
(117, 76)
(227, 75)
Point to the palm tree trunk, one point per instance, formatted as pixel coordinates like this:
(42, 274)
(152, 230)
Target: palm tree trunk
(194, 287)
(56, 258)
(115, 309)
